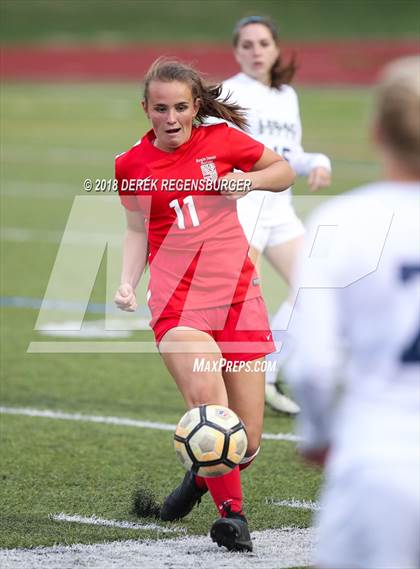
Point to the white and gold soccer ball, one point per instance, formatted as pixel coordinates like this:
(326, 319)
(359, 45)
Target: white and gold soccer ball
(210, 440)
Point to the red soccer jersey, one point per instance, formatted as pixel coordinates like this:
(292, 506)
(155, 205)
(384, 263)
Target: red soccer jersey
(198, 251)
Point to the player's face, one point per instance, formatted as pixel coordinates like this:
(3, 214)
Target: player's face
(171, 110)
(256, 52)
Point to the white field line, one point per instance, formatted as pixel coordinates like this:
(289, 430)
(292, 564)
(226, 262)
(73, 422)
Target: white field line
(273, 549)
(119, 421)
(293, 503)
(95, 521)
(55, 155)
(91, 328)
(24, 235)
(281, 437)
(46, 190)
(92, 347)
(131, 347)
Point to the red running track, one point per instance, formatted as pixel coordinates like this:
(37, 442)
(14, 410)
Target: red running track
(347, 62)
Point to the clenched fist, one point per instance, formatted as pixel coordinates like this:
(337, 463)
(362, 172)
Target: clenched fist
(125, 298)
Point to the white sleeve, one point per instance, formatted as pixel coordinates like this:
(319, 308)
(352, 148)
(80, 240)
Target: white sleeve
(215, 120)
(344, 243)
(303, 162)
(312, 370)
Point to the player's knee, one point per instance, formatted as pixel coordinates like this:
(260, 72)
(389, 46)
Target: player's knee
(198, 399)
(204, 396)
(253, 444)
(248, 459)
(252, 450)
(254, 439)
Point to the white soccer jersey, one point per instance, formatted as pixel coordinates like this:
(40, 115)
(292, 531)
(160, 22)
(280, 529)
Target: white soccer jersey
(359, 286)
(274, 119)
(356, 327)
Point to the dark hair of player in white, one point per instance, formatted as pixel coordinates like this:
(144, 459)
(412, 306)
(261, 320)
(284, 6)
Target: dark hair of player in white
(280, 73)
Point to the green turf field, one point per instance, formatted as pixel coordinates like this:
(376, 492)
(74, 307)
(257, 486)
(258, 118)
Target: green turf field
(194, 20)
(53, 137)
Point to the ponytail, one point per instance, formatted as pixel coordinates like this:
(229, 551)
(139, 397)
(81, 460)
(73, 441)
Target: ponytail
(283, 74)
(166, 70)
(212, 106)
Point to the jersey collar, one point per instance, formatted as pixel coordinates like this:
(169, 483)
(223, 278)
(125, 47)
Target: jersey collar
(150, 137)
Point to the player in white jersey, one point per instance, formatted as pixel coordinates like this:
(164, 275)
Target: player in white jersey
(270, 222)
(356, 368)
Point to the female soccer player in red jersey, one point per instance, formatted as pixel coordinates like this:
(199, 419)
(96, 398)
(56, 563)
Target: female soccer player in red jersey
(204, 293)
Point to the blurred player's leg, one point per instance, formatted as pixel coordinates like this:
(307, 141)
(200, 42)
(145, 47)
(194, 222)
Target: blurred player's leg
(281, 257)
(274, 394)
(383, 497)
(394, 512)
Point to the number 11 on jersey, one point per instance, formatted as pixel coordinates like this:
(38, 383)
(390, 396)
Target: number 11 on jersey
(188, 201)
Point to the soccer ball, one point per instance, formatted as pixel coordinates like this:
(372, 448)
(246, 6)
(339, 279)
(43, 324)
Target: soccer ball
(210, 440)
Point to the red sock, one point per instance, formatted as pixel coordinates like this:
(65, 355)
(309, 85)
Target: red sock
(200, 482)
(227, 490)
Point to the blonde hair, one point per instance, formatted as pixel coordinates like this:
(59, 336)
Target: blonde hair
(398, 110)
(167, 70)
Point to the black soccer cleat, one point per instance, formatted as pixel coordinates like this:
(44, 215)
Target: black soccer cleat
(232, 532)
(182, 500)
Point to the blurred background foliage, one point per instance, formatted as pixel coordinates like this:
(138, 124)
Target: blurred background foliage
(119, 21)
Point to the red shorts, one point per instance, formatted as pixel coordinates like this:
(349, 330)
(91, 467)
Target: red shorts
(241, 331)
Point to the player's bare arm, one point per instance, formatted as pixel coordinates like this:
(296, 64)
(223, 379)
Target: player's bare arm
(270, 173)
(134, 261)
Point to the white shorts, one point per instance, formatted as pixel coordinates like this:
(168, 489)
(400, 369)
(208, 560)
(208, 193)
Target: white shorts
(370, 520)
(261, 234)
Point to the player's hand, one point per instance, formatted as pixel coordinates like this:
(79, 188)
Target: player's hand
(319, 178)
(125, 298)
(239, 185)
